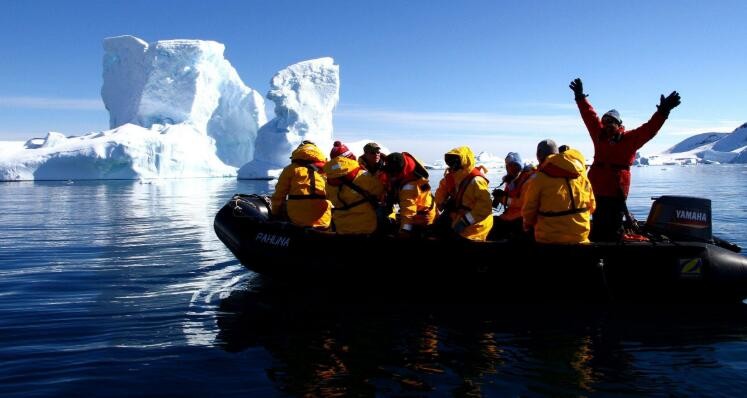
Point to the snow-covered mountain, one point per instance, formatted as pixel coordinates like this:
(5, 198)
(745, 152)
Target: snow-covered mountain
(705, 148)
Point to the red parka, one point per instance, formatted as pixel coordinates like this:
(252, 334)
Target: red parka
(610, 172)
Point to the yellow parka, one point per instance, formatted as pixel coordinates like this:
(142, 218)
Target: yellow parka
(411, 189)
(355, 194)
(559, 200)
(301, 189)
(468, 186)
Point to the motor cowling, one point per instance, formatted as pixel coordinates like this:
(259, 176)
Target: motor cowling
(683, 218)
(256, 207)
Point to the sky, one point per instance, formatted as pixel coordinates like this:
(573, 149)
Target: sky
(417, 76)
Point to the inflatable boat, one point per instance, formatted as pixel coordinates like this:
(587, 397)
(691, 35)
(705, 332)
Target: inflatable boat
(675, 259)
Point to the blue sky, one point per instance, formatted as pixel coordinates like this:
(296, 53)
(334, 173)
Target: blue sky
(418, 76)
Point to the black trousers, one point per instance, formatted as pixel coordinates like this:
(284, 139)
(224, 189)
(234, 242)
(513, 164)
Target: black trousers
(513, 230)
(607, 220)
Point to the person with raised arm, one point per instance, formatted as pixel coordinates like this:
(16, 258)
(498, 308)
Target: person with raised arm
(614, 153)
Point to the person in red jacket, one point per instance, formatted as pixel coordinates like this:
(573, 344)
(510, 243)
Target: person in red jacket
(614, 152)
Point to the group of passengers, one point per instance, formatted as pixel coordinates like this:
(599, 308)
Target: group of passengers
(550, 203)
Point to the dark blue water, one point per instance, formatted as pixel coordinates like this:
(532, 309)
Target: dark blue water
(118, 288)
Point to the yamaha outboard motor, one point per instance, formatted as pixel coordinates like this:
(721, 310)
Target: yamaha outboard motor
(256, 207)
(682, 218)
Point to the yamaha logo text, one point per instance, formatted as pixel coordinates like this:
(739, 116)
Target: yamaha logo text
(691, 216)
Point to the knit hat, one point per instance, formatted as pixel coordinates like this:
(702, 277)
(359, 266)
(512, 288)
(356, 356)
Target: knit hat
(546, 148)
(514, 157)
(614, 114)
(339, 149)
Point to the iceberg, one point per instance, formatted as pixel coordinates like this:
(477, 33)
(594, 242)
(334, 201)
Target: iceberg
(305, 94)
(127, 152)
(177, 108)
(182, 81)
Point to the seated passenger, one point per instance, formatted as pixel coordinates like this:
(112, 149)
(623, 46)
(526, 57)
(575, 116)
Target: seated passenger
(408, 186)
(372, 159)
(463, 195)
(509, 224)
(355, 194)
(559, 200)
(300, 191)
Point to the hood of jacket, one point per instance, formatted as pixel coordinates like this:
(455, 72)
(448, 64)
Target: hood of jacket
(340, 167)
(468, 162)
(569, 164)
(308, 152)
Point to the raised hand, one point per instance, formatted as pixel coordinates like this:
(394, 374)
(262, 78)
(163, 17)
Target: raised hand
(578, 88)
(669, 102)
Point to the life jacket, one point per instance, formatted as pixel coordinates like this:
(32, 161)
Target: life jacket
(553, 171)
(513, 188)
(457, 193)
(347, 181)
(313, 167)
(412, 171)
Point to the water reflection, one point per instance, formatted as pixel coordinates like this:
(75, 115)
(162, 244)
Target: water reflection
(331, 343)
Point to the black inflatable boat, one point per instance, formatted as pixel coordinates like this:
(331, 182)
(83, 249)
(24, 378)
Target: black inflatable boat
(679, 262)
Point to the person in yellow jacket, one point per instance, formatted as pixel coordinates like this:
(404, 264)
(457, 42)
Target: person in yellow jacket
(463, 195)
(559, 200)
(300, 191)
(355, 195)
(407, 185)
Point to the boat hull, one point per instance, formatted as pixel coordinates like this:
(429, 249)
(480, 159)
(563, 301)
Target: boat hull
(684, 273)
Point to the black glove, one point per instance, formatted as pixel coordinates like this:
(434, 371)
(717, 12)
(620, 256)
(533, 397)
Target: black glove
(578, 88)
(666, 104)
(498, 195)
(507, 179)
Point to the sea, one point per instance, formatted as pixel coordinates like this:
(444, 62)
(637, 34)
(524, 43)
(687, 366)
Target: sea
(122, 289)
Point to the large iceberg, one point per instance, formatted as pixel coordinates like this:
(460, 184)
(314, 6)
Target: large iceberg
(177, 109)
(305, 94)
(182, 81)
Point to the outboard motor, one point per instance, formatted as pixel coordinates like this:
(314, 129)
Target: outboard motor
(256, 207)
(682, 218)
